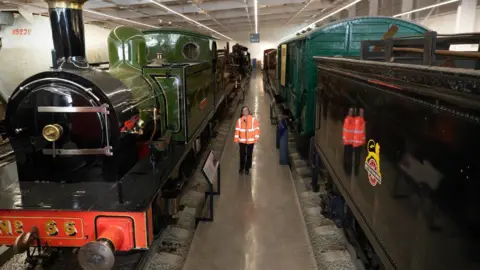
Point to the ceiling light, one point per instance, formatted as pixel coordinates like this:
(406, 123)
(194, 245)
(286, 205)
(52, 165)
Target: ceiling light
(424, 8)
(117, 18)
(300, 11)
(187, 18)
(256, 16)
(336, 11)
(312, 25)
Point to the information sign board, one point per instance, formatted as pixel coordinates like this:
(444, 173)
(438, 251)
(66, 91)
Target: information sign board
(255, 38)
(210, 168)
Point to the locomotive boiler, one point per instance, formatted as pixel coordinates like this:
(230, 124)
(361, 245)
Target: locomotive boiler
(95, 148)
(396, 132)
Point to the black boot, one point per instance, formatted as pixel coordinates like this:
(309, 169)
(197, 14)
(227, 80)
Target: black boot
(240, 171)
(247, 171)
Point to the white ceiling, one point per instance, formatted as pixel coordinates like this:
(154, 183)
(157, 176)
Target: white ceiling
(232, 18)
(228, 17)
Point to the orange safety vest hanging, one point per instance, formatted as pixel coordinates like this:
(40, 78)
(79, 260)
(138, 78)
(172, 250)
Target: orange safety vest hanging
(247, 130)
(359, 130)
(348, 128)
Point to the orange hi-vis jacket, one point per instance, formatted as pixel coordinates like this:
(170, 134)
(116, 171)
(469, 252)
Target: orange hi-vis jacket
(348, 130)
(359, 132)
(247, 130)
(354, 129)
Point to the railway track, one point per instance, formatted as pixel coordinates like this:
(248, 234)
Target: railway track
(170, 249)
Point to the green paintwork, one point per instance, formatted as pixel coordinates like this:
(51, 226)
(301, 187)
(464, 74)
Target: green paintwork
(182, 90)
(170, 43)
(171, 80)
(200, 101)
(126, 51)
(198, 84)
(334, 39)
(126, 48)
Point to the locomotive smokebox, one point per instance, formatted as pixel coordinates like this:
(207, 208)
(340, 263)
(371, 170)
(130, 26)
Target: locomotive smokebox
(65, 124)
(68, 32)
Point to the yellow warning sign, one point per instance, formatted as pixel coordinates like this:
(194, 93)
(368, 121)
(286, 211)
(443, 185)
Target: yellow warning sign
(283, 65)
(372, 163)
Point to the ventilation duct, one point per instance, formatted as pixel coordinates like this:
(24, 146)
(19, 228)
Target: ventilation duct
(6, 19)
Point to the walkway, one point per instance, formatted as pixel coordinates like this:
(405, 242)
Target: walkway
(258, 223)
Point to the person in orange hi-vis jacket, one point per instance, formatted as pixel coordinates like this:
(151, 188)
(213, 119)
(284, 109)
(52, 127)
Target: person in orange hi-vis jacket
(247, 133)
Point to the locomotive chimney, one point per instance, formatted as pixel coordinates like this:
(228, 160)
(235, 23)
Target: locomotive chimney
(68, 33)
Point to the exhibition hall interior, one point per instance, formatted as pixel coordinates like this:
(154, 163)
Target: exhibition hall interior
(239, 134)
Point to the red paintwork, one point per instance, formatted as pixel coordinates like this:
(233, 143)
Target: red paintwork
(74, 228)
(119, 231)
(142, 150)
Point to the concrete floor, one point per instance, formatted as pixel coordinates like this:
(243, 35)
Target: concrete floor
(258, 222)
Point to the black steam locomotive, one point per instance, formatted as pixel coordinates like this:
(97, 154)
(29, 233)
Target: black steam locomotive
(240, 59)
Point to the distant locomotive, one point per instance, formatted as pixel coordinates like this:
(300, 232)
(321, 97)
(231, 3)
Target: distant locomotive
(240, 58)
(95, 148)
(297, 72)
(397, 134)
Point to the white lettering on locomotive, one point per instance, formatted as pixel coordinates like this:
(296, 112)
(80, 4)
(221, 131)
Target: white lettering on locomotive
(11, 227)
(5, 227)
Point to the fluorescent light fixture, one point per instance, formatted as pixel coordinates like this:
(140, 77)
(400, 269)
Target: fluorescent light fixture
(187, 18)
(120, 19)
(335, 12)
(312, 25)
(256, 16)
(95, 12)
(300, 11)
(424, 8)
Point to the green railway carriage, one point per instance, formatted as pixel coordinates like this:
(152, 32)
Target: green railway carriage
(296, 68)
